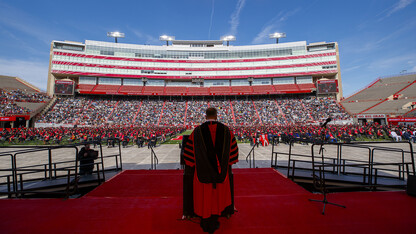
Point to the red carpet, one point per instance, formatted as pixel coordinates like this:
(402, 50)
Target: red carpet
(151, 202)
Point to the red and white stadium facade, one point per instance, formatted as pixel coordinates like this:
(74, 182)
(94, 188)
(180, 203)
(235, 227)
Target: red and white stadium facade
(186, 68)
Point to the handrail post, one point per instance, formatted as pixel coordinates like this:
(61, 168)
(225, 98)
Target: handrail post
(116, 162)
(21, 184)
(371, 166)
(119, 153)
(313, 161)
(273, 142)
(102, 158)
(403, 163)
(400, 171)
(339, 152)
(151, 158)
(289, 158)
(254, 160)
(9, 195)
(249, 155)
(14, 173)
(121, 162)
(50, 162)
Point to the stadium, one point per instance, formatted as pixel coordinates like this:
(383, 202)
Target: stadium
(283, 101)
(266, 88)
(208, 71)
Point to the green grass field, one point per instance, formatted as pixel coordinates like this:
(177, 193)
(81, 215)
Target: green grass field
(187, 132)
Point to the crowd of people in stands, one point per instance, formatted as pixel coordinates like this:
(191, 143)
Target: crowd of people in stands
(245, 113)
(173, 113)
(124, 112)
(193, 114)
(8, 99)
(149, 113)
(9, 109)
(65, 110)
(130, 119)
(23, 96)
(99, 112)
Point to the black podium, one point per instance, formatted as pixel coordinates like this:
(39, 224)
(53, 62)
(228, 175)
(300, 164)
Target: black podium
(188, 195)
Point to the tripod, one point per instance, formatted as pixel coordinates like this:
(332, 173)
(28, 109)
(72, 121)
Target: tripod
(319, 181)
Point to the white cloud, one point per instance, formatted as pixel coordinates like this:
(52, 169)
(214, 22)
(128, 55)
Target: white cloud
(264, 34)
(398, 6)
(272, 26)
(361, 43)
(35, 73)
(400, 62)
(348, 69)
(235, 17)
(147, 38)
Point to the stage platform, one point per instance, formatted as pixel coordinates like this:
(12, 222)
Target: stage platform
(143, 201)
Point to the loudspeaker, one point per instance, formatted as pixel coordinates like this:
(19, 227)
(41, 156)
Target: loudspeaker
(411, 185)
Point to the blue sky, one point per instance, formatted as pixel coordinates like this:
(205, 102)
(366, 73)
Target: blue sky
(376, 37)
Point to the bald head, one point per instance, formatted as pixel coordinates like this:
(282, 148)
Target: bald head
(211, 113)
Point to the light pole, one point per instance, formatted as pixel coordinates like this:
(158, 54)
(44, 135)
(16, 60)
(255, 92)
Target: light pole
(167, 39)
(277, 36)
(228, 39)
(115, 35)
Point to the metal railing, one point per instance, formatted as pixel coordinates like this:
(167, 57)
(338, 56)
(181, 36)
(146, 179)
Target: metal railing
(19, 190)
(18, 177)
(153, 158)
(371, 168)
(250, 159)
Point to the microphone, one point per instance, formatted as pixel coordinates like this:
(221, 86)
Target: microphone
(326, 122)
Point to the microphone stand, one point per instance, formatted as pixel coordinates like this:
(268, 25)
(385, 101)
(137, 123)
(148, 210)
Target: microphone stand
(319, 181)
(323, 127)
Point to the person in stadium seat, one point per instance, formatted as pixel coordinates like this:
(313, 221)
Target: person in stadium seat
(140, 142)
(211, 149)
(406, 135)
(395, 136)
(125, 141)
(413, 136)
(97, 139)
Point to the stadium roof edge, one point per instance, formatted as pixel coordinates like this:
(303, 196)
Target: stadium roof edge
(184, 42)
(187, 42)
(24, 82)
(69, 42)
(138, 46)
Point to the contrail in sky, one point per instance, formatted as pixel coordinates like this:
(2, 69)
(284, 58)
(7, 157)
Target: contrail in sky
(210, 22)
(235, 17)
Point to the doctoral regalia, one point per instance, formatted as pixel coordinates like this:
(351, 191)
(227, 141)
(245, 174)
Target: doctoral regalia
(208, 154)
